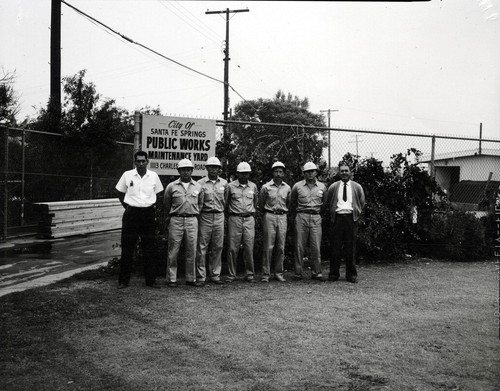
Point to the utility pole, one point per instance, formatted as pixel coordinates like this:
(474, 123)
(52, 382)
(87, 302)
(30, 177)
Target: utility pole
(227, 11)
(55, 62)
(329, 139)
(480, 137)
(356, 141)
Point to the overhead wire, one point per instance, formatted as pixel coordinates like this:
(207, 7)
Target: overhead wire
(129, 40)
(141, 45)
(172, 7)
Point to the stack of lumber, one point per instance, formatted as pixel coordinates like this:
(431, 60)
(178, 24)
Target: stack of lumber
(69, 218)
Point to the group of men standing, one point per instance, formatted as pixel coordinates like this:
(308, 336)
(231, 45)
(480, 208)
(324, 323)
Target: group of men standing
(195, 214)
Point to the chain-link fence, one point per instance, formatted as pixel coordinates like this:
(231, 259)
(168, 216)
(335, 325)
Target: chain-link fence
(44, 167)
(466, 169)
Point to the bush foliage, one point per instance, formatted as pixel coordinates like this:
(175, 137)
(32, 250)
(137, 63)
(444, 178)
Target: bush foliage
(407, 213)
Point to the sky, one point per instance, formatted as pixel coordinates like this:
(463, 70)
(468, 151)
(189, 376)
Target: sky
(431, 67)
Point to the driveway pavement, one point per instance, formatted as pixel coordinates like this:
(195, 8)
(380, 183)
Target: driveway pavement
(30, 262)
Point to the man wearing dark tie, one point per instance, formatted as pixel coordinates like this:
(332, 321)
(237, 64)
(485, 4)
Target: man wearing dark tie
(345, 200)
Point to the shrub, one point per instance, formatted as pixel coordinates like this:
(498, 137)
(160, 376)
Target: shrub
(458, 236)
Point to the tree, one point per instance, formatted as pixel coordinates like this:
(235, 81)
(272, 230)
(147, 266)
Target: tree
(87, 149)
(9, 102)
(261, 145)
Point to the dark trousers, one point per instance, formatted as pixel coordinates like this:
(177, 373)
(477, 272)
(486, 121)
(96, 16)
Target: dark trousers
(343, 243)
(138, 222)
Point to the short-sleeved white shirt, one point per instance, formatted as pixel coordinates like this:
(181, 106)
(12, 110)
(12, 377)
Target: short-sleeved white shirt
(139, 192)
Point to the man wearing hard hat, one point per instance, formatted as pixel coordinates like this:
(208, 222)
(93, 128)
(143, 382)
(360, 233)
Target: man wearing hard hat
(274, 200)
(241, 204)
(306, 204)
(183, 201)
(211, 222)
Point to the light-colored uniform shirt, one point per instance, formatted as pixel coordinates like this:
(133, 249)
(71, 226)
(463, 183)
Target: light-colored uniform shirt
(242, 198)
(305, 198)
(139, 192)
(214, 194)
(344, 207)
(181, 201)
(275, 197)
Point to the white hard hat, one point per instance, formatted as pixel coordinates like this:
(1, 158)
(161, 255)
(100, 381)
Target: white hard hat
(278, 165)
(243, 167)
(185, 163)
(213, 161)
(309, 166)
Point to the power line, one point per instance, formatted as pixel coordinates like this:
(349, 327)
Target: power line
(189, 18)
(141, 45)
(129, 40)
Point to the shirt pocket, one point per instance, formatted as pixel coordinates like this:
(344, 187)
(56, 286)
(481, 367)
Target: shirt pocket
(304, 198)
(208, 196)
(219, 193)
(194, 196)
(148, 189)
(132, 190)
(177, 199)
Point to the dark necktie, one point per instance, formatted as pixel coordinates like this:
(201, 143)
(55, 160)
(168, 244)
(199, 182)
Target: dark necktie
(344, 195)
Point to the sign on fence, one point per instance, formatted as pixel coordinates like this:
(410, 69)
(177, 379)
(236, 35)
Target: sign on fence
(170, 139)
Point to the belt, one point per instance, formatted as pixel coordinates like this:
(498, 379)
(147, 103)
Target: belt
(344, 214)
(140, 207)
(276, 212)
(309, 212)
(212, 211)
(184, 215)
(241, 214)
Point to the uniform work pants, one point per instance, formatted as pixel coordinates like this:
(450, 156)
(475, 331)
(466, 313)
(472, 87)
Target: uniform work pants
(308, 232)
(274, 235)
(211, 234)
(182, 230)
(343, 242)
(138, 222)
(240, 230)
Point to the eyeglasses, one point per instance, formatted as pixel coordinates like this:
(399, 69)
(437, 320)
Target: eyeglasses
(141, 161)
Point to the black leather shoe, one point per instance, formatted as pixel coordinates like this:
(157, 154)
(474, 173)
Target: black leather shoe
(195, 283)
(218, 282)
(153, 285)
(172, 284)
(354, 280)
(122, 286)
(333, 279)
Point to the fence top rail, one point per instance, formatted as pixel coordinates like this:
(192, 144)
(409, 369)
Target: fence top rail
(49, 133)
(229, 122)
(389, 133)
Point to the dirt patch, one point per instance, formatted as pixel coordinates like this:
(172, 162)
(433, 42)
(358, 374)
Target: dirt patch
(415, 326)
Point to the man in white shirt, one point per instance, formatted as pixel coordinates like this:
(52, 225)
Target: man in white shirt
(137, 191)
(345, 200)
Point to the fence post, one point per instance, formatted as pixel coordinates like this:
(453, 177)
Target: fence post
(137, 130)
(6, 182)
(23, 162)
(91, 185)
(433, 150)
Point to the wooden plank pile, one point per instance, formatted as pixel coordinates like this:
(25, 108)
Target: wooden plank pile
(69, 218)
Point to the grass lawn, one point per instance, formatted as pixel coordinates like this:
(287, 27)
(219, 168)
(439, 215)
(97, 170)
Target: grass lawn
(420, 325)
